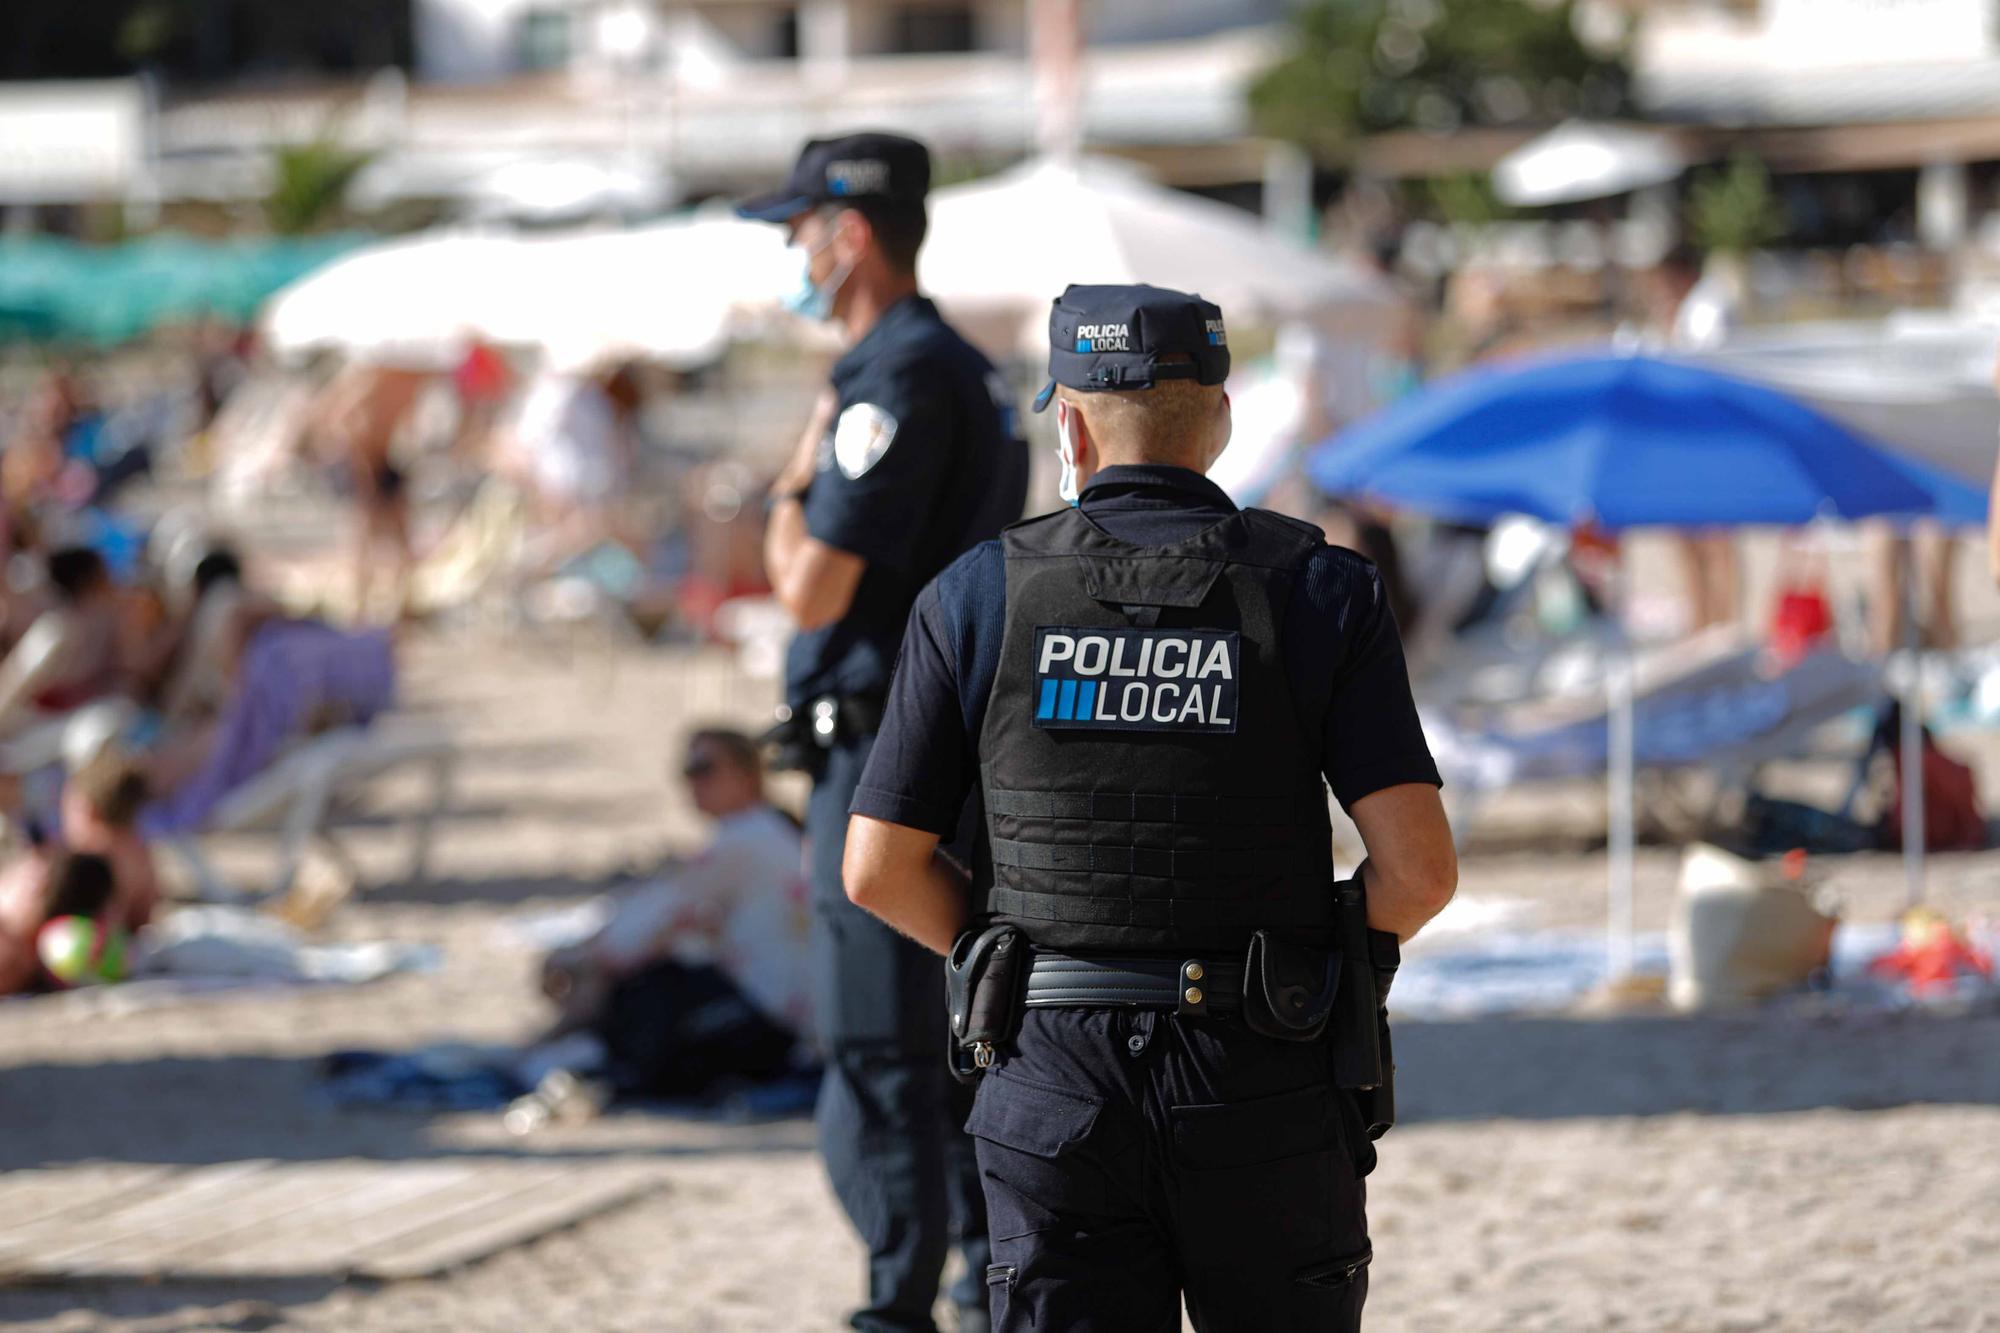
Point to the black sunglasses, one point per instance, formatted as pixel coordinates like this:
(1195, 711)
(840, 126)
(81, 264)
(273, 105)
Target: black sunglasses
(696, 769)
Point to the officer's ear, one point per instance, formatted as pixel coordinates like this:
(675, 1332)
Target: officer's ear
(1069, 419)
(852, 235)
(1225, 428)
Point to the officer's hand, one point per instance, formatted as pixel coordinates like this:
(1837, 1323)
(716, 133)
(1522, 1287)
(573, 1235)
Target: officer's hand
(804, 462)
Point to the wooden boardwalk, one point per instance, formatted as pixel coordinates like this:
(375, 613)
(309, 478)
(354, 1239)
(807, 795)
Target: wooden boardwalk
(266, 1219)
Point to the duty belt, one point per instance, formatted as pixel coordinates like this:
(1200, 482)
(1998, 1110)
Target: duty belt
(1190, 986)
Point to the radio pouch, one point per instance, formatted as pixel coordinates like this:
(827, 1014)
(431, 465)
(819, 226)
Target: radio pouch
(983, 981)
(1288, 988)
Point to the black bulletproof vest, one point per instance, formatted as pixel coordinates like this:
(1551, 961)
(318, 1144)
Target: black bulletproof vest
(1147, 781)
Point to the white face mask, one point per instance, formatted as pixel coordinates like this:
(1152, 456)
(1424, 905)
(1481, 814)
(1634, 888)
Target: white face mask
(1066, 486)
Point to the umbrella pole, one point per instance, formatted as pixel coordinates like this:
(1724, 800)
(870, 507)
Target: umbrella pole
(1620, 763)
(1912, 738)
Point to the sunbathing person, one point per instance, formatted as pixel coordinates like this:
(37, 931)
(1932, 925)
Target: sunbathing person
(268, 680)
(100, 812)
(698, 976)
(44, 884)
(72, 653)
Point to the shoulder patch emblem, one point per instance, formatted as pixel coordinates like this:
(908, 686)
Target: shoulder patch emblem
(860, 438)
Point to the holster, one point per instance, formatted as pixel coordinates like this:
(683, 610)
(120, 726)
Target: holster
(791, 744)
(984, 977)
(1289, 989)
(1363, 1060)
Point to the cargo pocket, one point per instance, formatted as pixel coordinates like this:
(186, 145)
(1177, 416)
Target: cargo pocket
(1333, 1275)
(1026, 1132)
(1270, 1177)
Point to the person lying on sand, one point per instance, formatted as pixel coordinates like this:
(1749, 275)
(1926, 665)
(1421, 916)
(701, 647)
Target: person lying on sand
(266, 680)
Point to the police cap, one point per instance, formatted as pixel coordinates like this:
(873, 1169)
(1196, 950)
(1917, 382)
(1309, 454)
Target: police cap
(854, 166)
(1121, 337)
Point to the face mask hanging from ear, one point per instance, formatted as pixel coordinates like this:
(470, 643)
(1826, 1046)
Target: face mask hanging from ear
(813, 300)
(1066, 486)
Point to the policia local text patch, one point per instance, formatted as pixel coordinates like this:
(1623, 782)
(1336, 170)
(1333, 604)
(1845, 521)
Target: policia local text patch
(1136, 679)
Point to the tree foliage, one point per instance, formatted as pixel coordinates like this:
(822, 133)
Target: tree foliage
(1358, 67)
(308, 182)
(1732, 209)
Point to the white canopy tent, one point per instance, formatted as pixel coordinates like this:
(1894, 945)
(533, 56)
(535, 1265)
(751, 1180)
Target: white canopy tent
(1579, 160)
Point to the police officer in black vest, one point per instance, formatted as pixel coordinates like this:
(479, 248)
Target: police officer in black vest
(913, 456)
(1151, 690)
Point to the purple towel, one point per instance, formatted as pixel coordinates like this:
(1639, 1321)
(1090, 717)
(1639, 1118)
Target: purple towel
(294, 675)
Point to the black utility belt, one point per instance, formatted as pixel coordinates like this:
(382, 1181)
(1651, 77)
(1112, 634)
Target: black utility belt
(1279, 988)
(802, 734)
(1188, 986)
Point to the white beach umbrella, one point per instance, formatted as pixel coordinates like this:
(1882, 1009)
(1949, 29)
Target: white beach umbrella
(408, 300)
(1581, 159)
(673, 292)
(1002, 248)
(548, 190)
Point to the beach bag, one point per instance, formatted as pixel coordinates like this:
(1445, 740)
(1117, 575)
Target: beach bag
(1952, 821)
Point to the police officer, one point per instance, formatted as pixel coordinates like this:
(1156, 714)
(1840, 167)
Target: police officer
(1150, 690)
(913, 456)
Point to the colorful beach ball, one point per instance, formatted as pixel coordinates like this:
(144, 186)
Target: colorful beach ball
(78, 951)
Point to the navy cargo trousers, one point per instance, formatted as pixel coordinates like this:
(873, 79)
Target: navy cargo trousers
(1133, 1158)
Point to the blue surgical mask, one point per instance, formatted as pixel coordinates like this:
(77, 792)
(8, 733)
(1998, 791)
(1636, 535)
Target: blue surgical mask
(810, 299)
(1066, 486)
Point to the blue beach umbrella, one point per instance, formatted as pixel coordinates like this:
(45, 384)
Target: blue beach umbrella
(1621, 442)
(1954, 502)
(1618, 441)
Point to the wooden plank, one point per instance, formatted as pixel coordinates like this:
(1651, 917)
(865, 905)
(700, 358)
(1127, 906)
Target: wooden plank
(487, 1185)
(269, 1222)
(559, 1204)
(30, 1199)
(191, 1203)
(264, 1219)
(321, 1236)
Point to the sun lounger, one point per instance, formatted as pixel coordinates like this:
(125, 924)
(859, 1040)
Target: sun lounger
(1726, 718)
(303, 791)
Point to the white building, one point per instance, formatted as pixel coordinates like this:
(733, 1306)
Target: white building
(664, 100)
(1840, 86)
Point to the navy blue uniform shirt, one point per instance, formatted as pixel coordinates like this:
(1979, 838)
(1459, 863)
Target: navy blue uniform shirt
(1343, 658)
(924, 460)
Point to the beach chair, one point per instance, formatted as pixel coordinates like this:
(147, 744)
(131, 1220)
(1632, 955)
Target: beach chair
(307, 788)
(1724, 717)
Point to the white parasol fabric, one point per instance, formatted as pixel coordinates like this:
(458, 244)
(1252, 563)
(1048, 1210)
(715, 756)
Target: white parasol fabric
(1921, 383)
(674, 292)
(1580, 160)
(550, 190)
(1004, 247)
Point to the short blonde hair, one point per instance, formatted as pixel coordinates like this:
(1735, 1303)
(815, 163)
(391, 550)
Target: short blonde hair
(1172, 422)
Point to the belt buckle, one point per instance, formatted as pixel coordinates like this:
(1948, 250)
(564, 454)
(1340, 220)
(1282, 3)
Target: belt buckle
(1191, 990)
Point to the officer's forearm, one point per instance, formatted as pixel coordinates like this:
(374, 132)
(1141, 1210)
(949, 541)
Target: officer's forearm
(900, 875)
(784, 538)
(1412, 868)
(812, 580)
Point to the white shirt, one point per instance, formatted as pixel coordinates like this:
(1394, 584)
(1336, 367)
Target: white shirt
(742, 906)
(570, 433)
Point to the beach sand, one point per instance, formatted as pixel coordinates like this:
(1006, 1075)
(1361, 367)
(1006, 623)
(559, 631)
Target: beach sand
(1770, 1171)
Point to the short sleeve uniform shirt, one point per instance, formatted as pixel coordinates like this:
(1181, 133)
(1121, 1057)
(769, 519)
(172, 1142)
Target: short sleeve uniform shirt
(1343, 659)
(924, 461)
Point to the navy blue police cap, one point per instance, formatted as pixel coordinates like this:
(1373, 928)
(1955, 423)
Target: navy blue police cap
(1131, 337)
(836, 171)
